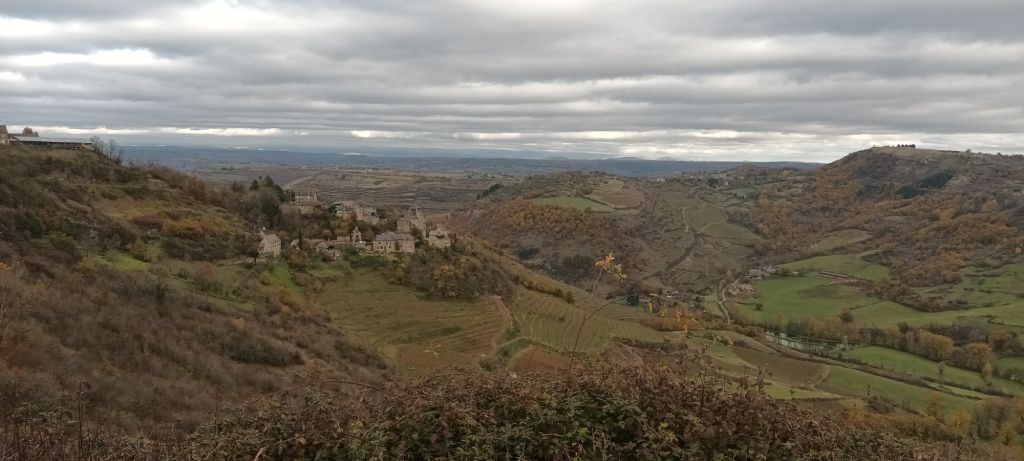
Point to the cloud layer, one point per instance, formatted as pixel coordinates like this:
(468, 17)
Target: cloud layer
(728, 80)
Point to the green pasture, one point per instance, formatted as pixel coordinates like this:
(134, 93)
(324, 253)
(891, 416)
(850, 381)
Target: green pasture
(903, 362)
(846, 264)
(848, 381)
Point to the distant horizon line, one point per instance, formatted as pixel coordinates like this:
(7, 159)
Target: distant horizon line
(426, 154)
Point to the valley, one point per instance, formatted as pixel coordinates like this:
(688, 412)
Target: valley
(745, 274)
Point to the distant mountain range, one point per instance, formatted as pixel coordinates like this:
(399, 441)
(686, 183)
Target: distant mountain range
(192, 158)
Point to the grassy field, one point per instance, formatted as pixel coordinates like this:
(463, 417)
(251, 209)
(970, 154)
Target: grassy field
(985, 288)
(857, 383)
(573, 202)
(785, 298)
(840, 239)
(785, 369)
(723, 355)
(844, 264)
(280, 277)
(415, 333)
(903, 362)
(786, 392)
(615, 194)
(701, 213)
(121, 260)
(1012, 365)
(787, 378)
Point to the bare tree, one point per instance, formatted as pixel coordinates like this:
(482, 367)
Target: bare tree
(110, 148)
(98, 144)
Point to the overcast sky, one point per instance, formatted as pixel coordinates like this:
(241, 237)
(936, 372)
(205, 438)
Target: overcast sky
(723, 79)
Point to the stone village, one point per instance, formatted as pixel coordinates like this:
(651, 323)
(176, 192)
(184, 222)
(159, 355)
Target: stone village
(409, 227)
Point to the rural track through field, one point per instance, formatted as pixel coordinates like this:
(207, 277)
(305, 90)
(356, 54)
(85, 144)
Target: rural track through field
(506, 321)
(723, 288)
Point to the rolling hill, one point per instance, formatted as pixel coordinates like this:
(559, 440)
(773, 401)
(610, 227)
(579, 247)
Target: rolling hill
(104, 299)
(132, 292)
(681, 234)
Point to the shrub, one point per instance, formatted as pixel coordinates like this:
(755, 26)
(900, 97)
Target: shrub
(247, 348)
(604, 412)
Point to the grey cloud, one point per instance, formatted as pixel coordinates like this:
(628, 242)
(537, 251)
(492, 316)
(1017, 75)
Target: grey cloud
(785, 79)
(86, 9)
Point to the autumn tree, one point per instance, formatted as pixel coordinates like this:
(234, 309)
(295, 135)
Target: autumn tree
(973, 356)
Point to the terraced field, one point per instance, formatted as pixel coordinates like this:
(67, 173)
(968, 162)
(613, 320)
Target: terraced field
(573, 202)
(553, 322)
(415, 333)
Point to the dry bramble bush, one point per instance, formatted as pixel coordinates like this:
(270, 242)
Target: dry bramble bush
(605, 412)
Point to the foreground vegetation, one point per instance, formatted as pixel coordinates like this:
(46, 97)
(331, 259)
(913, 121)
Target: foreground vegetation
(595, 412)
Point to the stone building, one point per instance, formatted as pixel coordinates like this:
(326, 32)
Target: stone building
(390, 243)
(270, 244)
(356, 236)
(5, 137)
(761, 272)
(302, 203)
(404, 226)
(307, 199)
(439, 238)
(416, 220)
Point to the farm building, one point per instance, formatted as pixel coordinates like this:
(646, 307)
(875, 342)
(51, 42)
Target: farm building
(62, 143)
(761, 272)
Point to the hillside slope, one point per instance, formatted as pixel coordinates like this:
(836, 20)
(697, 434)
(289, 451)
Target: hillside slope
(685, 233)
(928, 214)
(102, 303)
